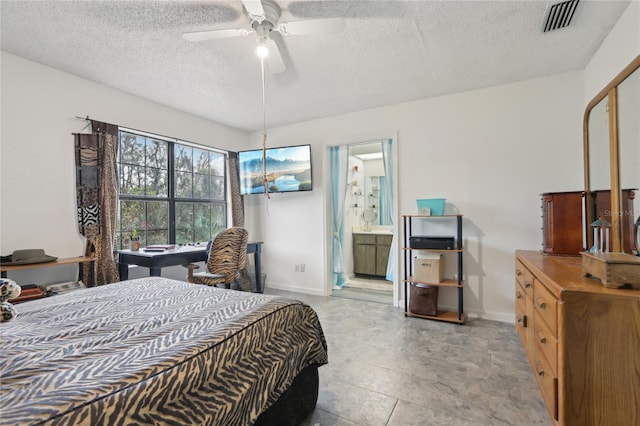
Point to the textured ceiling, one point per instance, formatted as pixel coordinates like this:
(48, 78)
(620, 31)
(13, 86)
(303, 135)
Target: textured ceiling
(389, 52)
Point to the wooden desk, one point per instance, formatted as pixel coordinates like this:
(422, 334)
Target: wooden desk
(155, 261)
(65, 261)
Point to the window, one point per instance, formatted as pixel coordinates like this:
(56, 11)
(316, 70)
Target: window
(170, 191)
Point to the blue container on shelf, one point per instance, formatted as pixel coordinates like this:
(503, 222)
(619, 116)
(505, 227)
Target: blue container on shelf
(436, 205)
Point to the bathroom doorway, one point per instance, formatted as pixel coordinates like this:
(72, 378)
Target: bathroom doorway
(368, 209)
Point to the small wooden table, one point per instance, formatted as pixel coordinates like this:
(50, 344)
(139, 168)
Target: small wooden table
(80, 260)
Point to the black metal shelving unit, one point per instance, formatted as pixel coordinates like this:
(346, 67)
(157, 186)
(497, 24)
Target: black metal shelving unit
(457, 283)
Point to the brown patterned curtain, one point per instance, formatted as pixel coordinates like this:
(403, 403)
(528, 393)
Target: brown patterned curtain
(237, 205)
(237, 211)
(97, 197)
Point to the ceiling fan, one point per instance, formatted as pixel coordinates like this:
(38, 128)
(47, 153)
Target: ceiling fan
(264, 18)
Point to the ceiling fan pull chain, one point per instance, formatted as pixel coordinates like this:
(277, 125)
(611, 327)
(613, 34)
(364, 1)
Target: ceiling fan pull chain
(264, 132)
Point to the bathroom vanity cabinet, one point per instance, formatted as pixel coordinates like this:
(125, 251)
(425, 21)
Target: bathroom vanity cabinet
(371, 254)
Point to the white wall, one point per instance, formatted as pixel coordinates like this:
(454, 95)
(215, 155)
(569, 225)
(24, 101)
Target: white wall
(616, 52)
(490, 152)
(374, 168)
(37, 174)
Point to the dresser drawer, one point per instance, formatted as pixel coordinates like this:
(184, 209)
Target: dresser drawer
(524, 277)
(547, 381)
(546, 343)
(521, 321)
(545, 305)
(521, 294)
(364, 239)
(520, 272)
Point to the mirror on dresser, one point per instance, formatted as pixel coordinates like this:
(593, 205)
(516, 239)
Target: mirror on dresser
(612, 158)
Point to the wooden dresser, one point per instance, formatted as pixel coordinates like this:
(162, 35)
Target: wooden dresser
(582, 341)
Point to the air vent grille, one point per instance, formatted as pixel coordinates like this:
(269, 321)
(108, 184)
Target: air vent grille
(559, 15)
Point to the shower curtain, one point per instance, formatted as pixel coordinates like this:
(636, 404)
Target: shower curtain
(338, 165)
(387, 158)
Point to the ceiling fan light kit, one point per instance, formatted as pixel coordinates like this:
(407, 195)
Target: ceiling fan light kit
(262, 50)
(264, 18)
(262, 29)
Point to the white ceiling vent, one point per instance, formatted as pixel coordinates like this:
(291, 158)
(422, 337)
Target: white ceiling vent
(559, 15)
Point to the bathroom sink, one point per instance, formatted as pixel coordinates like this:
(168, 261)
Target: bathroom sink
(372, 230)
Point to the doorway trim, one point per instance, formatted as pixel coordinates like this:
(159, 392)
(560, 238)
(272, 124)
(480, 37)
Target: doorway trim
(352, 141)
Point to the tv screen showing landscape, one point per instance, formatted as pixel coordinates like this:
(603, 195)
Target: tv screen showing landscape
(288, 170)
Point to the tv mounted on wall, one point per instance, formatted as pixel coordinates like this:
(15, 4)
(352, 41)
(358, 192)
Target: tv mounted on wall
(288, 170)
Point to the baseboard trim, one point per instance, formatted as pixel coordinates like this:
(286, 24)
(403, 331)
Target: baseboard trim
(296, 289)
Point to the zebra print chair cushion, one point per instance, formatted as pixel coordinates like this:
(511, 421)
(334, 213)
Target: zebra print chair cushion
(227, 258)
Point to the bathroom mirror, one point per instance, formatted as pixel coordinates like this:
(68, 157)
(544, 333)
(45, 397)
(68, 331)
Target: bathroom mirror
(612, 157)
(375, 197)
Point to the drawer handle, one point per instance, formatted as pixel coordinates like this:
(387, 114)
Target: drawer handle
(539, 369)
(541, 337)
(522, 319)
(541, 303)
(527, 284)
(518, 272)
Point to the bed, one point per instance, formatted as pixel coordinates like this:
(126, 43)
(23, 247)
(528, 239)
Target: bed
(160, 351)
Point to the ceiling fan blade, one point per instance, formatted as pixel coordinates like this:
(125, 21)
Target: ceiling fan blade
(274, 59)
(254, 7)
(312, 26)
(214, 34)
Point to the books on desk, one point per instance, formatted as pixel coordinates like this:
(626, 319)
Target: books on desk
(160, 247)
(28, 292)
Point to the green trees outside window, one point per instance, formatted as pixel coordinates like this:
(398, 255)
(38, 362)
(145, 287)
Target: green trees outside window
(170, 192)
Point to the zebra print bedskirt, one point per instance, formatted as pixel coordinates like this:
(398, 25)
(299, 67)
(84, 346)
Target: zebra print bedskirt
(153, 351)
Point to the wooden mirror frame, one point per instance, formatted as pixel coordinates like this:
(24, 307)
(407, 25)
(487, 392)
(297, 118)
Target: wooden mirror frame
(610, 91)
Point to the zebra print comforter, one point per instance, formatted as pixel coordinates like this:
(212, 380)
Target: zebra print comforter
(153, 351)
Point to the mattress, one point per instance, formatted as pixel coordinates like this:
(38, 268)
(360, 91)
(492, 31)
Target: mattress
(153, 351)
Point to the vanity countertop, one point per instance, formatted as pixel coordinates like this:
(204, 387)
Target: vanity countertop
(383, 230)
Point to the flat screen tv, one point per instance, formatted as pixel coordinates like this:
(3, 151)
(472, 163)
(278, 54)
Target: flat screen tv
(288, 170)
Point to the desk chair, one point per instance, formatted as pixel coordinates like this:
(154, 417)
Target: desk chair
(227, 258)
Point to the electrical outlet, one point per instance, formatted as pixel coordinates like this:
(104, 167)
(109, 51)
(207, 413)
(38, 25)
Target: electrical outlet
(302, 267)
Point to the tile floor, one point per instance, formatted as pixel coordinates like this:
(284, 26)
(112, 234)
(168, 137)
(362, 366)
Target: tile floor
(385, 369)
(380, 291)
(379, 296)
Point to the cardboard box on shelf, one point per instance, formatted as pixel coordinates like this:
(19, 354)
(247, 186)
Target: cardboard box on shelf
(429, 268)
